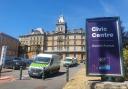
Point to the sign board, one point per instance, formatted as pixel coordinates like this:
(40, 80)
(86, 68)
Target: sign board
(3, 55)
(104, 46)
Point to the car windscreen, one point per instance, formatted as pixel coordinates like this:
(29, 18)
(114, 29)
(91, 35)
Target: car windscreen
(68, 59)
(42, 60)
(17, 59)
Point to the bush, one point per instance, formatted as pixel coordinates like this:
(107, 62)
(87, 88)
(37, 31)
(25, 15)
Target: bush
(125, 63)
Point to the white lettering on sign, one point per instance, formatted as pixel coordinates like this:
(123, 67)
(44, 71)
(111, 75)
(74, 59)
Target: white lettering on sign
(104, 33)
(99, 29)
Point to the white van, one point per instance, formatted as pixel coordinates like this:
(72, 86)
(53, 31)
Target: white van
(44, 64)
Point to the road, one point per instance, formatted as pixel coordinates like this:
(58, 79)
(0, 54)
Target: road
(53, 82)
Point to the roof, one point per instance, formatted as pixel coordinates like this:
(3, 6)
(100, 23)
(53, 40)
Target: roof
(61, 19)
(45, 55)
(37, 31)
(6, 35)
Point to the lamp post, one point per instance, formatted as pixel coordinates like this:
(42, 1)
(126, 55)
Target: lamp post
(37, 49)
(24, 50)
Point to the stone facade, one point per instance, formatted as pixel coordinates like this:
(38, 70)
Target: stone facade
(11, 43)
(61, 41)
(106, 85)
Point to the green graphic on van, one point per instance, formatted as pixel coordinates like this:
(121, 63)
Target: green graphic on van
(39, 65)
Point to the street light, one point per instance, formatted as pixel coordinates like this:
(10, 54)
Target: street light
(37, 49)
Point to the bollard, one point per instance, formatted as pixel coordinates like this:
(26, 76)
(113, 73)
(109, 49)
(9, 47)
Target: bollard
(43, 75)
(21, 68)
(14, 68)
(0, 70)
(67, 73)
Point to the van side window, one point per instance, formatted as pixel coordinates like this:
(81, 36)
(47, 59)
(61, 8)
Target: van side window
(55, 61)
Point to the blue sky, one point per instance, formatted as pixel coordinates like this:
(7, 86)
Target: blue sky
(18, 17)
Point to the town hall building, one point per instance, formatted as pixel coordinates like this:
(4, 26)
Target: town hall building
(62, 41)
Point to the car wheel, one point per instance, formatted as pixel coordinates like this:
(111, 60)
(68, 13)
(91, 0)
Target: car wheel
(24, 67)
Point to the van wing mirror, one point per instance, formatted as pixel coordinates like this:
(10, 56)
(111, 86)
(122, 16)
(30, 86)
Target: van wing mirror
(51, 62)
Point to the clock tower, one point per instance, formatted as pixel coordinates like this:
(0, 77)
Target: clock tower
(61, 26)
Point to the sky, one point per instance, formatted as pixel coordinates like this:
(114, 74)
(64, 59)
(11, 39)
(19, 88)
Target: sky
(19, 17)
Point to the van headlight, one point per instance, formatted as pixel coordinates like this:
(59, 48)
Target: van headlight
(44, 68)
(17, 63)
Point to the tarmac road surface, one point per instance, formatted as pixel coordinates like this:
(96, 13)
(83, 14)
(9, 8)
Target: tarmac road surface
(56, 81)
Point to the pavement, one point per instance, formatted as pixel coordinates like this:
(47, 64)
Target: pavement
(5, 79)
(80, 80)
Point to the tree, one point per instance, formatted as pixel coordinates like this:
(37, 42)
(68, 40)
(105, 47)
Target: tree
(124, 37)
(125, 52)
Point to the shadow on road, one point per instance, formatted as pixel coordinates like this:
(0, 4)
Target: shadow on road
(5, 71)
(56, 74)
(51, 75)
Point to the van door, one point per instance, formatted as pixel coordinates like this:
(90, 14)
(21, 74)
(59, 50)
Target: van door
(51, 67)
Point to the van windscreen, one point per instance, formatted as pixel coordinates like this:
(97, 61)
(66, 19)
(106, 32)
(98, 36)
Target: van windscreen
(42, 59)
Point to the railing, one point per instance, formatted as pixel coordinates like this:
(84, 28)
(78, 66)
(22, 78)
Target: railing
(64, 50)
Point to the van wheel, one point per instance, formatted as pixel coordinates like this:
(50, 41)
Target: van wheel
(43, 76)
(57, 71)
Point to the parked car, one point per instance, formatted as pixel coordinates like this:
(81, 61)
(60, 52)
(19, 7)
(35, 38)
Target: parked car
(28, 62)
(70, 61)
(8, 63)
(15, 63)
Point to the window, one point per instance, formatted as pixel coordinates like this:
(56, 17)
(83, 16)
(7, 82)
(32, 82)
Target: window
(67, 55)
(52, 48)
(60, 28)
(42, 60)
(68, 48)
(74, 54)
(57, 48)
(74, 37)
(82, 36)
(82, 48)
(74, 48)
(67, 37)
(67, 42)
(74, 42)
(82, 41)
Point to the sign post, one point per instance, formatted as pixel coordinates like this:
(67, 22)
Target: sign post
(104, 47)
(3, 55)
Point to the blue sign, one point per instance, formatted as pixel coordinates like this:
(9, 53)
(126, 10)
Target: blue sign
(104, 46)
